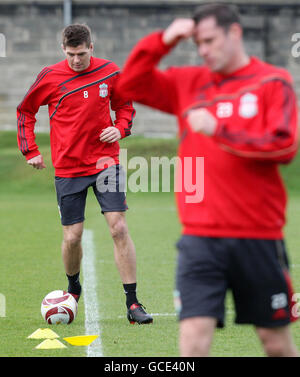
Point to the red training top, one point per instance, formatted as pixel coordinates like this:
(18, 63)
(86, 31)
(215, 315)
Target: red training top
(79, 108)
(255, 107)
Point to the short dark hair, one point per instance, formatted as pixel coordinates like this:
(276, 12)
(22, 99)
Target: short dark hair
(224, 14)
(75, 35)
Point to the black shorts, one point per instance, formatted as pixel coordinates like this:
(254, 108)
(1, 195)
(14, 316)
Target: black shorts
(108, 186)
(255, 270)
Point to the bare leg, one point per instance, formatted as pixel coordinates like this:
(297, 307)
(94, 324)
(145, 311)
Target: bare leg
(277, 341)
(125, 258)
(196, 336)
(71, 248)
(124, 250)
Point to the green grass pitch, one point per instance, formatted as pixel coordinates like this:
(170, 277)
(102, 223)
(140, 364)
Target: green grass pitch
(31, 264)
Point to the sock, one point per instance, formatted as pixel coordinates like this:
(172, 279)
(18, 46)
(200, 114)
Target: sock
(130, 292)
(74, 284)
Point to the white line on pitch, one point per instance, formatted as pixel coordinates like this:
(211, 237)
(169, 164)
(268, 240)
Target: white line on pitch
(228, 311)
(156, 315)
(92, 317)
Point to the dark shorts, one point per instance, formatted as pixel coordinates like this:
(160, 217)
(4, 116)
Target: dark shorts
(108, 187)
(256, 271)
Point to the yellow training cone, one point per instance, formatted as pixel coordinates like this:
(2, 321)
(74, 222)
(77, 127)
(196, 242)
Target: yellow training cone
(43, 334)
(48, 344)
(82, 340)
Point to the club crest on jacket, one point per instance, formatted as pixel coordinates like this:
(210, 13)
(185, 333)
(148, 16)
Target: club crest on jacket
(103, 90)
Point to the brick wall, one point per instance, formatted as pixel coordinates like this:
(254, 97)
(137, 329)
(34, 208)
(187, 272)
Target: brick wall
(32, 31)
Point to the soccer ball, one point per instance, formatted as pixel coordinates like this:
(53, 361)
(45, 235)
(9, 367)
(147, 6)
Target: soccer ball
(59, 307)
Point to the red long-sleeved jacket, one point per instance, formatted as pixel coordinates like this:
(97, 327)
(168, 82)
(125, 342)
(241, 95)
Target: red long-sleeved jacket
(79, 109)
(255, 107)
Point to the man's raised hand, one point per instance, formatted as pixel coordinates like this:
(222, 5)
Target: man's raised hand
(180, 28)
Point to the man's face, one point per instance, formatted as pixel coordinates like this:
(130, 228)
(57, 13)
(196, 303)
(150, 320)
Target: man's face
(215, 45)
(78, 57)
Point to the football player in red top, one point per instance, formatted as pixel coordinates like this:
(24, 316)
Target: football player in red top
(239, 114)
(79, 92)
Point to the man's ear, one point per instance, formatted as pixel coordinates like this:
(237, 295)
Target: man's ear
(236, 30)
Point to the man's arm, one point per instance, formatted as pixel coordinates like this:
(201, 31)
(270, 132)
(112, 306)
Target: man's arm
(37, 95)
(274, 140)
(141, 80)
(124, 114)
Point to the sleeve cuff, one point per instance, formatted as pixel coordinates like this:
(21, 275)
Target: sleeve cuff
(29, 155)
(123, 131)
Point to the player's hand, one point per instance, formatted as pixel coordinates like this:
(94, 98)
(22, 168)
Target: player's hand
(37, 162)
(110, 135)
(180, 28)
(201, 120)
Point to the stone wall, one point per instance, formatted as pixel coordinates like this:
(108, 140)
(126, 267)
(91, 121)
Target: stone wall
(32, 31)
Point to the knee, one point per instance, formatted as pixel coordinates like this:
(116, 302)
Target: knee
(196, 336)
(274, 346)
(195, 345)
(72, 239)
(118, 229)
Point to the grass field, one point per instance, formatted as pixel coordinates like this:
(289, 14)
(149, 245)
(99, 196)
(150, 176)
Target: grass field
(31, 263)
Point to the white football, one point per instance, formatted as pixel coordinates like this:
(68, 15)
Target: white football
(59, 307)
